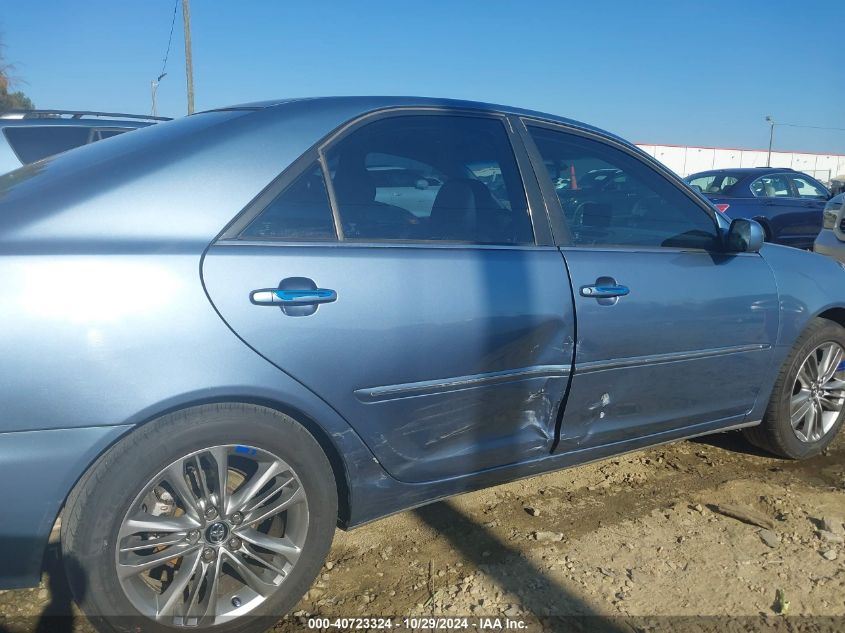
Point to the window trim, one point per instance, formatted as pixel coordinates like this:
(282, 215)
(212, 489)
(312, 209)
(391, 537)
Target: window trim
(535, 201)
(563, 235)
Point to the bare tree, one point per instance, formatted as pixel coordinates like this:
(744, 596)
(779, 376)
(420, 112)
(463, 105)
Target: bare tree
(11, 100)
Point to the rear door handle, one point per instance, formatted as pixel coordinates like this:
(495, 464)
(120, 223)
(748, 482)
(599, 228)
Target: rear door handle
(280, 297)
(605, 291)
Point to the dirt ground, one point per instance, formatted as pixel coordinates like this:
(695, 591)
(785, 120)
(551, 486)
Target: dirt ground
(643, 536)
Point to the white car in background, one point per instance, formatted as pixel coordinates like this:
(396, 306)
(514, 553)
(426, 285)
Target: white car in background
(831, 239)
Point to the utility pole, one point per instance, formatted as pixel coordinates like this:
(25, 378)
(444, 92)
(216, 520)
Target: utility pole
(771, 123)
(189, 66)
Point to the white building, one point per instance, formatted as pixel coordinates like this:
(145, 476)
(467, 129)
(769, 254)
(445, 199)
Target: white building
(685, 160)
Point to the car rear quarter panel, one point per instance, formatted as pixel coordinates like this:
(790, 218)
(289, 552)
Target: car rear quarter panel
(106, 323)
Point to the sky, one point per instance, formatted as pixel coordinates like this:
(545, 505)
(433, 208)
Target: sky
(652, 71)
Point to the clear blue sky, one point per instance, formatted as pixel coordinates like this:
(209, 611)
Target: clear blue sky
(652, 70)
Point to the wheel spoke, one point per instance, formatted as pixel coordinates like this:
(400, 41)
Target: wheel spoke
(261, 561)
(275, 508)
(810, 422)
(220, 455)
(242, 496)
(143, 563)
(801, 412)
(830, 402)
(809, 370)
(143, 522)
(175, 476)
(264, 497)
(199, 607)
(171, 597)
(834, 385)
(831, 358)
(283, 546)
(252, 580)
(136, 543)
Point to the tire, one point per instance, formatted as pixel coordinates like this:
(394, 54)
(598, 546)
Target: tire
(776, 433)
(256, 444)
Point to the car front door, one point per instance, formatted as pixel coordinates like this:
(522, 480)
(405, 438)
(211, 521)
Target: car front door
(440, 326)
(810, 197)
(672, 332)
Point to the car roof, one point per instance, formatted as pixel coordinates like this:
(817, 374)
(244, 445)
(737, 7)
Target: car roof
(743, 171)
(371, 103)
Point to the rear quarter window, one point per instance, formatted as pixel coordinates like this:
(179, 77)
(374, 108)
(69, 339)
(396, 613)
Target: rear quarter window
(718, 184)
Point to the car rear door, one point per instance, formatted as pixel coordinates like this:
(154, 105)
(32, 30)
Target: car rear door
(441, 330)
(672, 333)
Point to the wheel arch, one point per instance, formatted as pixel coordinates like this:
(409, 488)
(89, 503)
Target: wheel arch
(767, 228)
(837, 315)
(317, 431)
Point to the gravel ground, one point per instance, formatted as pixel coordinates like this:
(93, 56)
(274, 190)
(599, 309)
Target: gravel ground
(693, 533)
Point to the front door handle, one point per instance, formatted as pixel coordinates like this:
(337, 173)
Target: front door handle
(281, 297)
(605, 291)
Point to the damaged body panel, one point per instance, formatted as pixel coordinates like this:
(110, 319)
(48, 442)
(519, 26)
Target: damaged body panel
(631, 378)
(446, 360)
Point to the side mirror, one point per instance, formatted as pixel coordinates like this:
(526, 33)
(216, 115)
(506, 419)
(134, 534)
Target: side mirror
(745, 236)
(421, 183)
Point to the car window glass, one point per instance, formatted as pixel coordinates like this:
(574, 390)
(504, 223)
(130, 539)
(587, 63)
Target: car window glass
(37, 142)
(300, 212)
(430, 178)
(610, 198)
(807, 189)
(771, 186)
(714, 183)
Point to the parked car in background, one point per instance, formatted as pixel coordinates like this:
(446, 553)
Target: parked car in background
(787, 203)
(224, 336)
(831, 239)
(30, 135)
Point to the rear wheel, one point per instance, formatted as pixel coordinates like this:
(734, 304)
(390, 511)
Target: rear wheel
(807, 406)
(216, 518)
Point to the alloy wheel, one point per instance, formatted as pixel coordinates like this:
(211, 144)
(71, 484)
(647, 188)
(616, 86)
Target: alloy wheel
(818, 395)
(212, 536)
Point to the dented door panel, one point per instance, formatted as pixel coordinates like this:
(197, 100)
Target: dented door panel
(447, 360)
(689, 344)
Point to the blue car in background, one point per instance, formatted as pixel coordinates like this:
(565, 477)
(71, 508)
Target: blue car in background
(226, 335)
(787, 203)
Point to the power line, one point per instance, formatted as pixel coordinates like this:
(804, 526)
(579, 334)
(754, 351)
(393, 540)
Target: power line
(169, 40)
(812, 127)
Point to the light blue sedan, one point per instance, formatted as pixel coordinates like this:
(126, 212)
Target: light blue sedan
(222, 337)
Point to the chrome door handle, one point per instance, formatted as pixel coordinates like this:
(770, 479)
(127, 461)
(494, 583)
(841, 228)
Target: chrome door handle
(279, 297)
(605, 291)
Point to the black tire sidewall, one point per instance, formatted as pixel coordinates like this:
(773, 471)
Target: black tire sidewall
(825, 332)
(135, 460)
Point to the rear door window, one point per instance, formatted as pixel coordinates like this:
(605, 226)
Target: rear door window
(34, 143)
(772, 186)
(430, 178)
